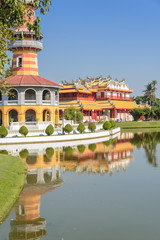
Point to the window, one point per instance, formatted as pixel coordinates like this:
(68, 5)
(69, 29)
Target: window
(20, 61)
(36, 60)
(56, 95)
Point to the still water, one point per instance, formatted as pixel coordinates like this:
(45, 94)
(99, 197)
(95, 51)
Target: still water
(108, 190)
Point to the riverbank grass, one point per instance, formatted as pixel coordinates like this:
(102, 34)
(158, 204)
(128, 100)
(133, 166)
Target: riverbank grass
(12, 176)
(139, 125)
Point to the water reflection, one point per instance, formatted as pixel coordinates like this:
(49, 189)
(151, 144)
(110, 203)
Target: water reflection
(43, 176)
(149, 142)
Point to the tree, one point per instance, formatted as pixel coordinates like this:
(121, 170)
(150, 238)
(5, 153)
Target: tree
(50, 152)
(147, 113)
(3, 131)
(136, 113)
(68, 128)
(72, 113)
(23, 130)
(12, 13)
(24, 153)
(92, 147)
(107, 125)
(49, 130)
(92, 127)
(81, 128)
(113, 123)
(81, 148)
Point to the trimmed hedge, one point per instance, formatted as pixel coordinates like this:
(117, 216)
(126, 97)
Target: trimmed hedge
(92, 127)
(23, 130)
(81, 128)
(68, 128)
(3, 132)
(49, 130)
(107, 125)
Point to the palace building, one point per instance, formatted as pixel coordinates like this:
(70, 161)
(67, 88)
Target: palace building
(98, 98)
(31, 98)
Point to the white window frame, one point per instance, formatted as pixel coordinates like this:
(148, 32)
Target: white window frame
(20, 57)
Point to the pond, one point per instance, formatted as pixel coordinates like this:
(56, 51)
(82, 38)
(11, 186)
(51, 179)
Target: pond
(108, 190)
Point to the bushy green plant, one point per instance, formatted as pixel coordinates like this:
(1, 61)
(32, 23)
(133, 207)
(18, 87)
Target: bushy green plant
(23, 130)
(68, 128)
(50, 152)
(5, 152)
(113, 123)
(24, 153)
(100, 122)
(68, 151)
(3, 131)
(136, 113)
(81, 148)
(92, 147)
(92, 127)
(107, 125)
(86, 122)
(81, 128)
(72, 113)
(49, 130)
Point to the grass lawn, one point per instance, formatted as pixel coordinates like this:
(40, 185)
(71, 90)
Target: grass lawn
(12, 176)
(139, 125)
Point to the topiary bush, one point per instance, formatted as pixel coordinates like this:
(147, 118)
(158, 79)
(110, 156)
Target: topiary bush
(49, 130)
(81, 128)
(3, 131)
(113, 123)
(50, 152)
(100, 122)
(81, 148)
(5, 152)
(107, 125)
(92, 127)
(92, 147)
(68, 151)
(23, 130)
(68, 128)
(24, 153)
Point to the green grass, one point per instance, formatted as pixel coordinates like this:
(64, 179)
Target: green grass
(12, 176)
(139, 125)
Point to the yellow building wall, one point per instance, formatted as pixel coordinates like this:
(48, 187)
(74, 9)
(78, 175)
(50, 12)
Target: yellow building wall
(21, 109)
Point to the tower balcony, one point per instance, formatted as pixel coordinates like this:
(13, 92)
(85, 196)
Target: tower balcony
(26, 44)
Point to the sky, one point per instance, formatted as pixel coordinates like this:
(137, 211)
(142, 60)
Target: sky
(101, 37)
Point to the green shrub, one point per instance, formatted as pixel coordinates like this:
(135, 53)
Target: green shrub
(23, 130)
(107, 143)
(81, 128)
(49, 130)
(92, 147)
(107, 125)
(68, 128)
(49, 152)
(113, 123)
(100, 122)
(5, 152)
(3, 131)
(86, 122)
(24, 153)
(92, 127)
(68, 151)
(81, 148)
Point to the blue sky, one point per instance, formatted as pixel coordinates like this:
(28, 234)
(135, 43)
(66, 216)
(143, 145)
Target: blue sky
(94, 37)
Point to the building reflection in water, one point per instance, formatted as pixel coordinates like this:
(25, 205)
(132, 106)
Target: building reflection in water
(44, 166)
(43, 176)
(101, 158)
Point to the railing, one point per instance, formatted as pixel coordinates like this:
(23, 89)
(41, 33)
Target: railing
(26, 43)
(46, 101)
(115, 98)
(14, 102)
(30, 101)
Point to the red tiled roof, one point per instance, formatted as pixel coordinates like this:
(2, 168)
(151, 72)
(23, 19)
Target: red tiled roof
(23, 80)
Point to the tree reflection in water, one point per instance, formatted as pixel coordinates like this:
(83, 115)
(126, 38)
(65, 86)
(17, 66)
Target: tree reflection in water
(149, 142)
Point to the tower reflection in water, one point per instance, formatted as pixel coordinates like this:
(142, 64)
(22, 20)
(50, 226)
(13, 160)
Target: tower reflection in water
(43, 176)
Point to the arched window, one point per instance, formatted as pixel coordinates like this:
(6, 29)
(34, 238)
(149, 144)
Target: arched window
(30, 115)
(46, 116)
(20, 61)
(30, 94)
(13, 116)
(46, 95)
(0, 96)
(12, 94)
(56, 95)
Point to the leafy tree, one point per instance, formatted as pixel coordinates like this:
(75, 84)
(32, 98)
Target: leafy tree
(81, 128)
(147, 113)
(92, 147)
(113, 123)
(49, 130)
(81, 148)
(68, 128)
(24, 153)
(23, 130)
(3, 131)
(107, 125)
(72, 113)
(12, 13)
(68, 151)
(136, 113)
(50, 152)
(92, 127)
(139, 99)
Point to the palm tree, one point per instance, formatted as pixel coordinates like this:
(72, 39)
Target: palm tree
(149, 93)
(154, 83)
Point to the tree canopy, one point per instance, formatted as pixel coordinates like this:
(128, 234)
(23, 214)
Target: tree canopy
(12, 13)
